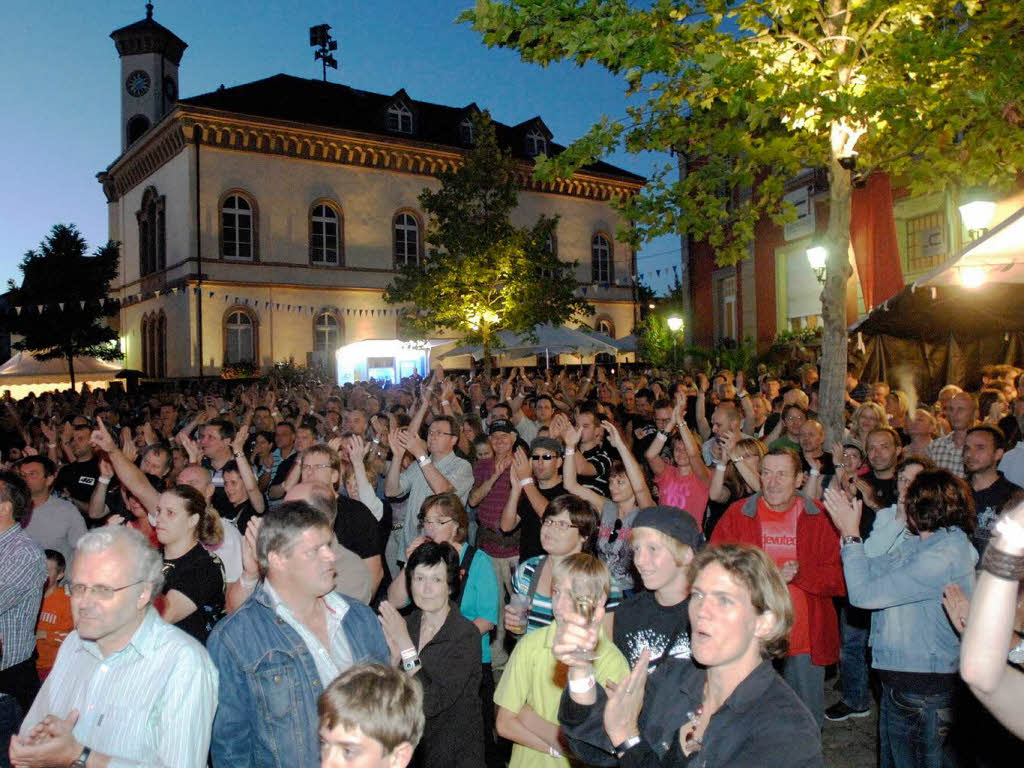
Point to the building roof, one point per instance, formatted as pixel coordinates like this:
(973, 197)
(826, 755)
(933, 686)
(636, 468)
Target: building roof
(333, 105)
(147, 36)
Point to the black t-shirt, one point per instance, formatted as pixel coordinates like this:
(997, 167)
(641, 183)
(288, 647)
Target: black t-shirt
(886, 495)
(356, 528)
(988, 505)
(644, 431)
(219, 500)
(242, 514)
(600, 457)
(640, 622)
(284, 468)
(529, 522)
(199, 576)
(828, 467)
(78, 479)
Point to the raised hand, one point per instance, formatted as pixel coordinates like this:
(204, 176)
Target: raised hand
(357, 448)
(100, 438)
(624, 704)
(614, 437)
(128, 444)
(194, 452)
(845, 512)
(520, 465)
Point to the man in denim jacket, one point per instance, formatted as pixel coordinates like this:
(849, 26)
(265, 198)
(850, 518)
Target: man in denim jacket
(278, 652)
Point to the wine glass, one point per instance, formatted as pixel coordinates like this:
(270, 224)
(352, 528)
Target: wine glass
(585, 602)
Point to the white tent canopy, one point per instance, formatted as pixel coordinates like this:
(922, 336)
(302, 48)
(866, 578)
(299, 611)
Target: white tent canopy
(24, 374)
(551, 340)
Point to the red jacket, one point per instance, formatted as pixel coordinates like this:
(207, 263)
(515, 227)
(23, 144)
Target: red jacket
(820, 574)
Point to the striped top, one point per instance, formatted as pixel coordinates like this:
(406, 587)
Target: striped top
(149, 704)
(22, 578)
(541, 613)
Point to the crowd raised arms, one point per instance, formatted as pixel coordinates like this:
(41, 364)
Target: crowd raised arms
(660, 565)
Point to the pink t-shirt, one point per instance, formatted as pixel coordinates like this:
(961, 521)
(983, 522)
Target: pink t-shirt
(778, 540)
(683, 491)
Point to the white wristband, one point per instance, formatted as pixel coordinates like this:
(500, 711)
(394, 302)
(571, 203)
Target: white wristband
(103, 480)
(525, 482)
(409, 653)
(814, 472)
(445, 402)
(720, 467)
(582, 685)
(570, 451)
(424, 460)
(249, 584)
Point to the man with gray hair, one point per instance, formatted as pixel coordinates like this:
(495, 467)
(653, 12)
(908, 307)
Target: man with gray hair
(285, 644)
(127, 687)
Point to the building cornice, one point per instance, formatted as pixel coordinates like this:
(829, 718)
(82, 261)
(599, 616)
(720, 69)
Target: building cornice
(231, 132)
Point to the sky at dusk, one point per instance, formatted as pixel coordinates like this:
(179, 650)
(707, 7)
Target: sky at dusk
(61, 92)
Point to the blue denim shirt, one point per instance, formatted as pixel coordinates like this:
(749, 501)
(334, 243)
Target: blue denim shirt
(266, 714)
(910, 631)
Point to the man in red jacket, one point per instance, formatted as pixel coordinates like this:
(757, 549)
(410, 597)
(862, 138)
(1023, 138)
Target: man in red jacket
(793, 530)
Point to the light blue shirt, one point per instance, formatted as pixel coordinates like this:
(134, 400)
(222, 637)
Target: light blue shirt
(149, 704)
(330, 662)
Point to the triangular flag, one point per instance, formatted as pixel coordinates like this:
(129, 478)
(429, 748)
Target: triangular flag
(156, 294)
(61, 305)
(81, 304)
(18, 310)
(40, 308)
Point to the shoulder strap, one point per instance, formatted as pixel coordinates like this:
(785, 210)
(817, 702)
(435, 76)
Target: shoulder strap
(535, 578)
(467, 562)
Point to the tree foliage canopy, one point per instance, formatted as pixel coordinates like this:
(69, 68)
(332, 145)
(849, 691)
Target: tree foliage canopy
(60, 273)
(482, 273)
(750, 92)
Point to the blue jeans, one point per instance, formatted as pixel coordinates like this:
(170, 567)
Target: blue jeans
(914, 729)
(855, 628)
(10, 720)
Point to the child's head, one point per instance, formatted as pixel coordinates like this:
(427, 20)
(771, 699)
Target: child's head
(55, 566)
(373, 711)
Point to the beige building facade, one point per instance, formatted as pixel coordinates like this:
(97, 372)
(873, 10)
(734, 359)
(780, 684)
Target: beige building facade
(261, 223)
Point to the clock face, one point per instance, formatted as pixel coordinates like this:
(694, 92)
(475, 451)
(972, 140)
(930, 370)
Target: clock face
(170, 90)
(137, 83)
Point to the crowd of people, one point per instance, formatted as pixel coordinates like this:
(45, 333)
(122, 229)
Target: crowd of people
(523, 568)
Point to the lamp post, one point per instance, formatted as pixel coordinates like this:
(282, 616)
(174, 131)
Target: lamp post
(816, 257)
(674, 324)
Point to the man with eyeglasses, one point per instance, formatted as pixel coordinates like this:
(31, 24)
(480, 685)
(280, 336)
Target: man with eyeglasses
(437, 470)
(127, 688)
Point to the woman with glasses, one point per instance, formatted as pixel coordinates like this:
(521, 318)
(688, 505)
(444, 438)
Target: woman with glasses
(569, 526)
(629, 494)
(193, 593)
(440, 648)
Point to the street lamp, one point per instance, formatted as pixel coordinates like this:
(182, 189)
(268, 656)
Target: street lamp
(674, 324)
(976, 212)
(816, 257)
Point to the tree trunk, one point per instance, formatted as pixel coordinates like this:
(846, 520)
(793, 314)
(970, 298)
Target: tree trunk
(71, 367)
(832, 392)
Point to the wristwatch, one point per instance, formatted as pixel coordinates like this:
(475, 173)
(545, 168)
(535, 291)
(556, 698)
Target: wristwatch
(625, 746)
(851, 540)
(82, 759)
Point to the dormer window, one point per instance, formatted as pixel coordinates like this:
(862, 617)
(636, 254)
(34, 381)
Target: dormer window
(399, 119)
(536, 143)
(466, 132)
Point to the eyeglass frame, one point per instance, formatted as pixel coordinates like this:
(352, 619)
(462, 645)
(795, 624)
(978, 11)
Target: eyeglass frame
(422, 518)
(99, 590)
(561, 525)
(545, 457)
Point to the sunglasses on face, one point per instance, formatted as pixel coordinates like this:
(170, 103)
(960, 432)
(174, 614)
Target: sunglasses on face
(543, 457)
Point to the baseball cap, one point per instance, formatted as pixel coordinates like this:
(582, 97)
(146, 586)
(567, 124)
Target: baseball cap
(673, 522)
(501, 425)
(545, 443)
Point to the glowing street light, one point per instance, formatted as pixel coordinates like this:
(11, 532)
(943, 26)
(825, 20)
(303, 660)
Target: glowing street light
(816, 257)
(976, 212)
(972, 277)
(674, 324)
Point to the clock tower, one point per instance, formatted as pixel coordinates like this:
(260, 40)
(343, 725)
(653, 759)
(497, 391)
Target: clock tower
(150, 54)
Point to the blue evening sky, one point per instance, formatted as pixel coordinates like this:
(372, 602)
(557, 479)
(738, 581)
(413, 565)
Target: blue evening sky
(61, 96)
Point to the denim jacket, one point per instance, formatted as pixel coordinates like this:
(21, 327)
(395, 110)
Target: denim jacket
(910, 631)
(266, 715)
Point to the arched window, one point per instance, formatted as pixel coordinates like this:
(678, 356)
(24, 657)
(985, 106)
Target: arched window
(550, 248)
(399, 119)
(536, 143)
(326, 339)
(151, 218)
(601, 259)
(237, 228)
(239, 337)
(407, 240)
(606, 327)
(160, 346)
(325, 236)
(146, 344)
(137, 126)
(466, 132)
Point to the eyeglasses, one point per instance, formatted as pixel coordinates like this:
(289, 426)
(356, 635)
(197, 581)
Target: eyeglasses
(424, 521)
(100, 591)
(543, 457)
(315, 466)
(435, 433)
(561, 525)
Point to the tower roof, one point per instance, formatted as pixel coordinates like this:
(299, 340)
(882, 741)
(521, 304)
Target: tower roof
(147, 36)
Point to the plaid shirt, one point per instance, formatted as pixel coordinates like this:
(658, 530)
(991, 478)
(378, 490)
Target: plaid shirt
(22, 578)
(946, 455)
